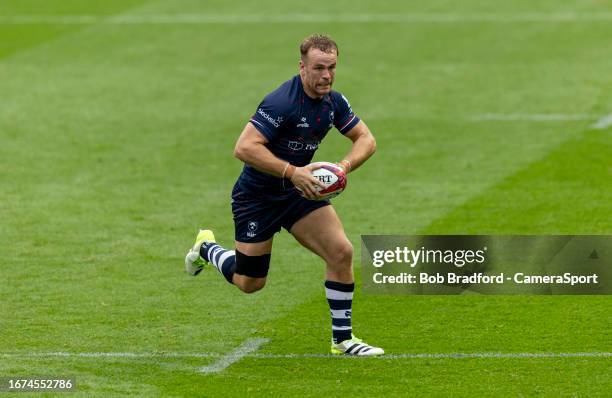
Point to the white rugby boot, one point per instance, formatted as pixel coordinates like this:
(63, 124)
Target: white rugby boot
(356, 347)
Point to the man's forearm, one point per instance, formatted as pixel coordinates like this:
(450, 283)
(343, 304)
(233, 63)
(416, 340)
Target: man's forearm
(361, 150)
(260, 157)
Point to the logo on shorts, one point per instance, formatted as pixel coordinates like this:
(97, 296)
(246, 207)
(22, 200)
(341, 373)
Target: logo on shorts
(252, 228)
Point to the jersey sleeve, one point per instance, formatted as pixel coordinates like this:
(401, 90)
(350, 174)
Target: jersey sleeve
(270, 116)
(344, 119)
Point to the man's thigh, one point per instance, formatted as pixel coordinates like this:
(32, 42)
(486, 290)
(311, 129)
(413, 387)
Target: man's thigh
(256, 219)
(255, 249)
(322, 232)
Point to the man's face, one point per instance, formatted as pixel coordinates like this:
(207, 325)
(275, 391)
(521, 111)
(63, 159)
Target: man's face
(317, 70)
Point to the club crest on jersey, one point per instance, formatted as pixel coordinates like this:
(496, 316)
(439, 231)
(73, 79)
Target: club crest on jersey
(303, 123)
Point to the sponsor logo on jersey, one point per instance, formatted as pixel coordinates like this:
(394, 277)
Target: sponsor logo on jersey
(298, 146)
(274, 122)
(295, 145)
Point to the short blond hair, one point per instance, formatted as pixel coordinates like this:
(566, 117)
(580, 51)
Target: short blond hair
(320, 42)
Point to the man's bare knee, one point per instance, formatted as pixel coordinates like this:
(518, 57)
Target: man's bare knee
(250, 286)
(342, 256)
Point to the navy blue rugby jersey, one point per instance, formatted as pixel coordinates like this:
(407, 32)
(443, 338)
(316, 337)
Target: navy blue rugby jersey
(294, 125)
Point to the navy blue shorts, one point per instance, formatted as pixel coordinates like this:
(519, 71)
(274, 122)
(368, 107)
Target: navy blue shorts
(258, 216)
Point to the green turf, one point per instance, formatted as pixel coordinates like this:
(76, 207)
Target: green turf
(17, 37)
(116, 144)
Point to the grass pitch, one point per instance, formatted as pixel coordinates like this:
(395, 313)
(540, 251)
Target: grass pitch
(115, 145)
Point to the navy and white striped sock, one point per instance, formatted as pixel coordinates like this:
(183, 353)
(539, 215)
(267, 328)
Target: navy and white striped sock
(223, 260)
(340, 299)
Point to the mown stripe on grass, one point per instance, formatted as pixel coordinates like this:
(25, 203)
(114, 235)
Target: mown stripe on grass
(563, 193)
(19, 36)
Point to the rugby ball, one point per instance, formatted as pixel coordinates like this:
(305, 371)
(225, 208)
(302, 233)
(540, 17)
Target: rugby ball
(332, 176)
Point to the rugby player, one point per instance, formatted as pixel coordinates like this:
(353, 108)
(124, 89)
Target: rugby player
(276, 146)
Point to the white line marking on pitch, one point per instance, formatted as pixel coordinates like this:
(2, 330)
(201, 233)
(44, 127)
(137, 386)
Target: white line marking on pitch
(249, 346)
(532, 117)
(603, 123)
(457, 355)
(112, 355)
(305, 18)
